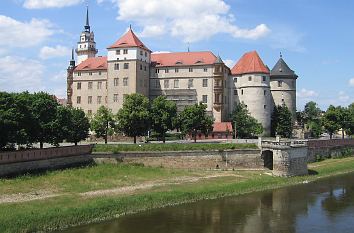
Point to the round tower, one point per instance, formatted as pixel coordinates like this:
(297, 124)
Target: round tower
(86, 47)
(252, 87)
(283, 86)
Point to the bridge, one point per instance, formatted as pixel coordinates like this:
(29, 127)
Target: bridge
(285, 158)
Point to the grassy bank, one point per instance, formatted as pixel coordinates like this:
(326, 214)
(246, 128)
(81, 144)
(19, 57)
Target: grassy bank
(72, 208)
(171, 147)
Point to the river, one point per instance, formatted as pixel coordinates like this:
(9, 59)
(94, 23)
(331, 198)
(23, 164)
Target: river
(320, 207)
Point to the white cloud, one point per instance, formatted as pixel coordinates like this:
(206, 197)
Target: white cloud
(20, 74)
(60, 76)
(351, 82)
(230, 63)
(40, 4)
(156, 52)
(191, 20)
(343, 97)
(305, 94)
(287, 38)
(57, 51)
(15, 33)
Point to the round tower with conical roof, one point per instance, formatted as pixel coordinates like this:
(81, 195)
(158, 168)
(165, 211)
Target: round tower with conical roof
(251, 86)
(283, 86)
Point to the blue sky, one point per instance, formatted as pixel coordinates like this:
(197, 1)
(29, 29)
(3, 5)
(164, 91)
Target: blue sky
(315, 37)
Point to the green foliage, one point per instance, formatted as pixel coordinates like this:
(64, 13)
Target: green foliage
(194, 119)
(102, 121)
(246, 125)
(79, 126)
(331, 119)
(134, 117)
(172, 147)
(282, 121)
(163, 114)
(311, 117)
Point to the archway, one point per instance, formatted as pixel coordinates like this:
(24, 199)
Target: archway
(267, 157)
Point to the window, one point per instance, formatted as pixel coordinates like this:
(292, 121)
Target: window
(190, 83)
(99, 73)
(79, 86)
(264, 92)
(125, 51)
(90, 73)
(235, 92)
(280, 83)
(99, 99)
(190, 69)
(89, 100)
(166, 71)
(157, 71)
(141, 67)
(146, 54)
(78, 99)
(144, 68)
(115, 98)
(264, 78)
(99, 85)
(282, 100)
(166, 83)
(264, 106)
(79, 74)
(249, 78)
(125, 81)
(176, 70)
(141, 52)
(205, 69)
(176, 83)
(106, 85)
(115, 82)
(157, 83)
(217, 83)
(126, 66)
(118, 52)
(116, 66)
(205, 99)
(89, 85)
(235, 80)
(89, 112)
(205, 82)
(241, 92)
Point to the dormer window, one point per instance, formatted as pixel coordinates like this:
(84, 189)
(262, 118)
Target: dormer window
(199, 61)
(125, 51)
(178, 63)
(190, 69)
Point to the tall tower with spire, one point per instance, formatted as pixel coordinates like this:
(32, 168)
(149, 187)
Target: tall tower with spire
(69, 79)
(86, 47)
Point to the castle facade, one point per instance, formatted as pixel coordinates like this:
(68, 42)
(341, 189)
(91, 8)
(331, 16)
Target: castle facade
(184, 77)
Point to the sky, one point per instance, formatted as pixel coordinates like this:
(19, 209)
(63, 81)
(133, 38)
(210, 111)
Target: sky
(316, 38)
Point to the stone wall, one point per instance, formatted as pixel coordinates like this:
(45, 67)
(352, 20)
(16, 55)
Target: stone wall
(290, 162)
(323, 149)
(248, 158)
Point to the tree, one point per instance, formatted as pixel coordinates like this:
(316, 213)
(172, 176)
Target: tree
(244, 124)
(163, 113)
(101, 122)
(44, 112)
(79, 126)
(349, 128)
(282, 121)
(331, 119)
(134, 118)
(8, 126)
(312, 119)
(193, 119)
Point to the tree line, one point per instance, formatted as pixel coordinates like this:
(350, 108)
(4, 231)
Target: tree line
(27, 118)
(315, 121)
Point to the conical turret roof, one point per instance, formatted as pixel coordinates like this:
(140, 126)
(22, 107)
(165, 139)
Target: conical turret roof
(129, 39)
(282, 69)
(250, 63)
(218, 60)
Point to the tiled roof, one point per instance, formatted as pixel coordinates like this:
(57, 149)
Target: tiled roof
(129, 39)
(222, 127)
(93, 63)
(282, 69)
(183, 58)
(250, 63)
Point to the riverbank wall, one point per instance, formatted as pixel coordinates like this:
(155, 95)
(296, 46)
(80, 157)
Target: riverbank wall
(23, 161)
(325, 149)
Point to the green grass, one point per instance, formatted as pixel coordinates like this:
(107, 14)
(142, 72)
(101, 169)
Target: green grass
(71, 209)
(171, 147)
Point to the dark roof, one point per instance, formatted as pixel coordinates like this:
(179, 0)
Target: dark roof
(282, 69)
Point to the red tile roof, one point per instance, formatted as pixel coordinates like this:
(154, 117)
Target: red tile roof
(183, 58)
(249, 63)
(129, 39)
(222, 127)
(93, 63)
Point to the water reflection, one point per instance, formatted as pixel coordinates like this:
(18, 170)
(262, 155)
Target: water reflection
(325, 206)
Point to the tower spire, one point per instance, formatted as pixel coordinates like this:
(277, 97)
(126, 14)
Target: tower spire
(72, 61)
(87, 26)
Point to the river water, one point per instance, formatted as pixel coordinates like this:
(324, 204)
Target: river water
(319, 207)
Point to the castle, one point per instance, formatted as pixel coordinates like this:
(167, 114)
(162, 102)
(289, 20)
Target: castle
(184, 77)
